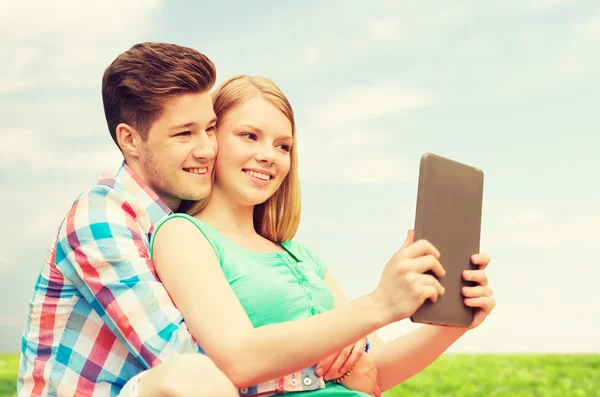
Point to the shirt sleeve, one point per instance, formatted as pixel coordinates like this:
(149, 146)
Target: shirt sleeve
(103, 251)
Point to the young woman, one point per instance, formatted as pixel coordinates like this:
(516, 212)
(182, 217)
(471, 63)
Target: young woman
(262, 305)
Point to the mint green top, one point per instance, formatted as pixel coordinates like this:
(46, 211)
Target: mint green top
(273, 287)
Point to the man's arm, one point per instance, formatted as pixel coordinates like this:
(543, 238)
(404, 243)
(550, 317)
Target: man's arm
(102, 250)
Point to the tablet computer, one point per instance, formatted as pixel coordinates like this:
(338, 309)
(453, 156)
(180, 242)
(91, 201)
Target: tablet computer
(448, 214)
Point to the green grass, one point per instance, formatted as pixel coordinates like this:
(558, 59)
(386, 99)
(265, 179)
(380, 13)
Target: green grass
(506, 375)
(9, 365)
(464, 375)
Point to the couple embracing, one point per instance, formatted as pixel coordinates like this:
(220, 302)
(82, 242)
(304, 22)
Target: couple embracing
(179, 276)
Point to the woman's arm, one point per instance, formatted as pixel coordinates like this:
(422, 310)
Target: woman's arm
(189, 269)
(401, 358)
(405, 356)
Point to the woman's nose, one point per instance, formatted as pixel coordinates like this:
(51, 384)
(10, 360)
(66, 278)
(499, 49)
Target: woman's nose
(266, 155)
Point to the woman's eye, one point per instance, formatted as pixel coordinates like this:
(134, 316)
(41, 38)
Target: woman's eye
(211, 130)
(249, 135)
(285, 147)
(184, 133)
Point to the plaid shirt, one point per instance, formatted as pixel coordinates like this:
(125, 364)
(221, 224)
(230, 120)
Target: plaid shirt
(98, 314)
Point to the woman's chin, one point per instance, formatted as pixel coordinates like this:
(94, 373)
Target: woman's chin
(255, 199)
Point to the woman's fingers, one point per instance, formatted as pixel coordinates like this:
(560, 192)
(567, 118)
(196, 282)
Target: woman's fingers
(429, 292)
(485, 303)
(419, 248)
(476, 292)
(481, 260)
(477, 276)
(427, 279)
(426, 263)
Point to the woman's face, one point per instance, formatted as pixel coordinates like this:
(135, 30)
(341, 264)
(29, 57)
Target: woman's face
(254, 151)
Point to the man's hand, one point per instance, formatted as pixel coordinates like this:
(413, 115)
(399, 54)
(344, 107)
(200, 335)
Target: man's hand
(364, 377)
(338, 364)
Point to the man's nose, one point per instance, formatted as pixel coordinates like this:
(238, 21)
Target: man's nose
(204, 147)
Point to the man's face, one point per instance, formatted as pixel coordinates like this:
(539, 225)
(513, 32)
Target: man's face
(178, 157)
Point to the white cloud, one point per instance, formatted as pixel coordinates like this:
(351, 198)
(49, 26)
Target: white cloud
(341, 145)
(524, 218)
(588, 28)
(358, 155)
(536, 231)
(21, 149)
(66, 43)
(312, 55)
(572, 58)
(378, 169)
(363, 103)
(403, 26)
(529, 5)
(384, 30)
(548, 3)
(339, 33)
(359, 168)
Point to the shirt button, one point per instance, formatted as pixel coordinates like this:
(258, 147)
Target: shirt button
(244, 390)
(310, 295)
(293, 382)
(305, 283)
(313, 311)
(307, 381)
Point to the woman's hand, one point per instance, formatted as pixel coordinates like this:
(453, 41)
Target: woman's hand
(337, 364)
(481, 295)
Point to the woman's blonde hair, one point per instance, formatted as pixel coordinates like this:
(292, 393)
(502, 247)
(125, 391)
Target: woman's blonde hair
(276, 219)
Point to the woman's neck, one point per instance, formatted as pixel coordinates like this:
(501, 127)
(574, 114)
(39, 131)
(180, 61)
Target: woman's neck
(227, 216)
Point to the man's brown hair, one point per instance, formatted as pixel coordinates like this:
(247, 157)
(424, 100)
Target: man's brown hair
(138, 82)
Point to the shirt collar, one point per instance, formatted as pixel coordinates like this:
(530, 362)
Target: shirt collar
(145, 197)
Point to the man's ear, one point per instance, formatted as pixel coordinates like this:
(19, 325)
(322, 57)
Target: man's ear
(129, 140)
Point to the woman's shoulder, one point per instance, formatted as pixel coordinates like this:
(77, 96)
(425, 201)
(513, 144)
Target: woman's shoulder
(180, 224)
(176, 223)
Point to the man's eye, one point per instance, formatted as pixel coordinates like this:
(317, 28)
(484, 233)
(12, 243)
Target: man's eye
(184, 133)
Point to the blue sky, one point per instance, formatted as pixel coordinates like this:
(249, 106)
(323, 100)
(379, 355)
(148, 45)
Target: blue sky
(509, 87)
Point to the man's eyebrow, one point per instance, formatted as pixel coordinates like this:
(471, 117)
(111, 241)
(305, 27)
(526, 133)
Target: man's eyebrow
(182, 126)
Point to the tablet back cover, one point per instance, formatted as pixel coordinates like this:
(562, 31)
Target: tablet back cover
(448, 214)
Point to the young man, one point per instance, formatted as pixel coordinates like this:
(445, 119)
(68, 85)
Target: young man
(98, 315)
